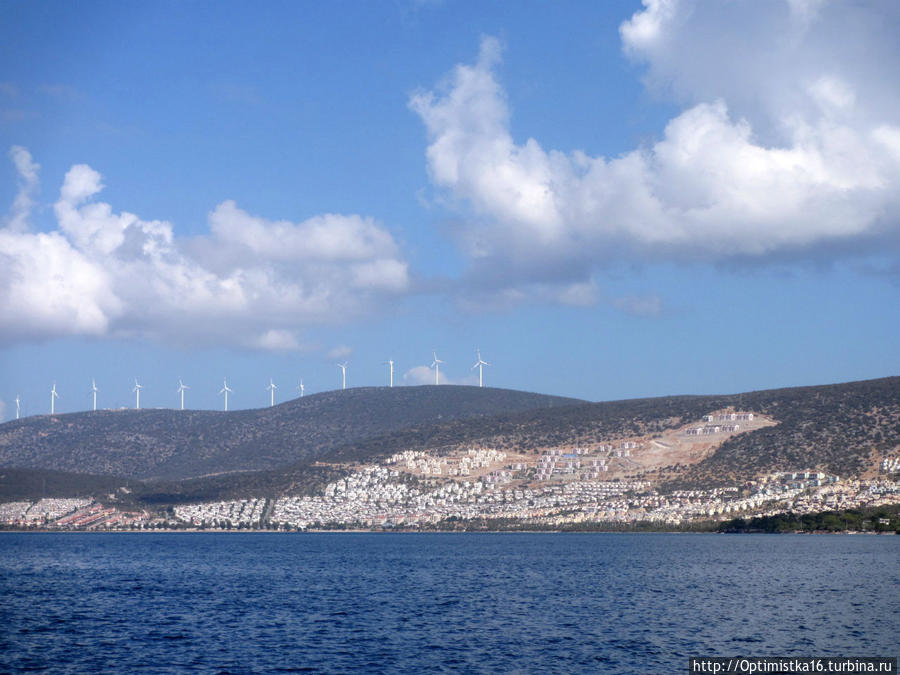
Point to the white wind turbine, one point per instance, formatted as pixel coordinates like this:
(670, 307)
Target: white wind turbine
(225, 390)
(391, 364)
(53, 396)
(18, 403)
(94, 391)
(343, 367)
(301, 388)
(480, 364)
(181, 387)
(137, 394)
(437, 368)
(271, 389)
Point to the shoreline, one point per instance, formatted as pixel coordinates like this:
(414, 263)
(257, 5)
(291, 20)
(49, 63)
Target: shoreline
(399, 531)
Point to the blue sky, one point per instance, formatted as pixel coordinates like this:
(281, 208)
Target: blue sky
(610, 200)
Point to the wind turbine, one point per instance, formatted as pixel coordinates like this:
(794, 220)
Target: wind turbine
(225, 390)
(301, 388)
(437, 368)
(17, 406)
(137, 394)
(480, 364)
(391, 364)
(94, 391)
(53, 395)
(343, 367)
(181, 387)
(271, 388)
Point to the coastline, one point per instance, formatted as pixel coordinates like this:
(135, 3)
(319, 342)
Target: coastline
(417, 531)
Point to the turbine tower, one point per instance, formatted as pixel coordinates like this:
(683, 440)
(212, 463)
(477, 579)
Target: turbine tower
(181, 387)
(437, 368)
(53, 396)
(94, 391)
(343, 367)
(391, 364)
(480, 364)
(225, 390)
(271, 388)
(137, 394)
(17, 406)
(301, 388)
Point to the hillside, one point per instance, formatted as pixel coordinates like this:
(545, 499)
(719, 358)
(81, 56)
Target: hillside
(176, 445)
(843, 429)
(294, 448)
(18, 484)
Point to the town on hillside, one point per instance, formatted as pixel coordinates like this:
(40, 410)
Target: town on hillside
(612, 482)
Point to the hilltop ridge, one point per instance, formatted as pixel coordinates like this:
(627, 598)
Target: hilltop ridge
(177, 445)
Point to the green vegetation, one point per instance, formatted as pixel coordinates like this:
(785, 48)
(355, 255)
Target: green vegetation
(882, 519)
(299, 479)
(24, 484)
(516, 525)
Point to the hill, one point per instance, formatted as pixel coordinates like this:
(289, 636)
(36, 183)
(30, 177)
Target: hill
(172, 456)
(178, 445)
(842, 429)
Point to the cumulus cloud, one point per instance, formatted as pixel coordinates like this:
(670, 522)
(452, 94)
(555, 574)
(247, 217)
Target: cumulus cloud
(418, 375)
(250, 282)
(775, 63)
(787, 143)
(422, 375)
(330, 237)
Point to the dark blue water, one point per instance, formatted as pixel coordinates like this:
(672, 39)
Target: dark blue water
(491, 603)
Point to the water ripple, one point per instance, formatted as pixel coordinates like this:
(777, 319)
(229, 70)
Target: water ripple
(240, 603)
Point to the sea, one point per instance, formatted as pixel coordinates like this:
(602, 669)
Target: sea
(438, 603)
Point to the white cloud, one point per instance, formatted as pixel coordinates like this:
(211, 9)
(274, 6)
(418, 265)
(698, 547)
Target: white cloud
(251, 282)
(278, 341)
(339, 352)
(48, 288)
(766, 59)
(422, 375)
(330, 237)
(787, 143)
(28, 170)
(418, 375)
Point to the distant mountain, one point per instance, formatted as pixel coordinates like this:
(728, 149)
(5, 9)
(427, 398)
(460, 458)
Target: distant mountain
(177, 445)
